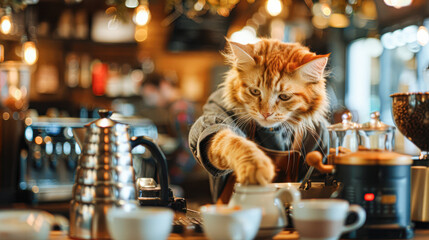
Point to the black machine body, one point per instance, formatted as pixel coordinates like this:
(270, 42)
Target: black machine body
(384, 192)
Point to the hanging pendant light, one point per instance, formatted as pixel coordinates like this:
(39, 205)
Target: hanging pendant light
(6, 22)
(398, 3)
(142, 14)
(30, 54)
(5, 25)
(274, 7)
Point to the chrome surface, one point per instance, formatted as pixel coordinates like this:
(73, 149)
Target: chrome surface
(145, 183)
(111, 160)
(378, 135)
(376, 124)
(344, 134)
(104, 191)
(48, 170)
(306, 178)
(346, 123)
(105, 176)
(420, 193)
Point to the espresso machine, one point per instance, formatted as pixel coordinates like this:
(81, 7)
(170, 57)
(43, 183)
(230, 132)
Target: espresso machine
(14, 96)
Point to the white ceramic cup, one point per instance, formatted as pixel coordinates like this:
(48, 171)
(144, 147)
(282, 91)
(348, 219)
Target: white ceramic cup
(25, 224)
(140, 223)
(324, 219)
(271, 199)
(221, 222)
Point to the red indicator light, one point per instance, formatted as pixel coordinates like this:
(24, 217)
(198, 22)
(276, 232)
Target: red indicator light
(369, 197)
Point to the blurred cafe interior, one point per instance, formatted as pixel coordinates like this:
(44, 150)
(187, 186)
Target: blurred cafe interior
(154, 63)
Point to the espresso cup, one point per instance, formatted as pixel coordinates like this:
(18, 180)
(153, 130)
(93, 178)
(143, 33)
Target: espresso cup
(140, 223)
(222, 222)
(324, 219)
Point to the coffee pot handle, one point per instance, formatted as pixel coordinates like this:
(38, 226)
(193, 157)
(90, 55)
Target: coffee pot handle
(161, 163)
(360, 220)
(286, 194)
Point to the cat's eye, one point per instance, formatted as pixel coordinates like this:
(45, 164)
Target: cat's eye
(285, 97)
(255, 92)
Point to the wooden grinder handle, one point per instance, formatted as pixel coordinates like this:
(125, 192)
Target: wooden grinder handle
(314, 159)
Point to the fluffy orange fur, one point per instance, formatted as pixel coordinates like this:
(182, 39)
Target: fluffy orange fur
(271, 83)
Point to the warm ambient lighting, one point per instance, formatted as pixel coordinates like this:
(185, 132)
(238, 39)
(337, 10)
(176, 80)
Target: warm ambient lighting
(245, 35)
(30, 53)
(141, 15)
(326, 9)
(398, 3)
(274, 7)
(5, 24)
(140, 34)
(339, 20)
(422, 36)
(1, 53)
(199, 5)
(131, 3)
(413, 37)
(320, 22)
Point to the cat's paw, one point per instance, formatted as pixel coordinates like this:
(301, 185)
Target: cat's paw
(255, 168)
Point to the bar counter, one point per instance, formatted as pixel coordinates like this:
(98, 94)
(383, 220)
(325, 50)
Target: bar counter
(420, 234)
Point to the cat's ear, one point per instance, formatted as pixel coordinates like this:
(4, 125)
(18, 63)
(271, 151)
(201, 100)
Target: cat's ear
(242, 53)
(314, 69)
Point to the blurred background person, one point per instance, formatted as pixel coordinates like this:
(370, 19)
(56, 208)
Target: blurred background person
(163, 103)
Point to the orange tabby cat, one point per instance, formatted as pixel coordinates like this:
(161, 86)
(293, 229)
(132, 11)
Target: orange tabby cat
(278, 86)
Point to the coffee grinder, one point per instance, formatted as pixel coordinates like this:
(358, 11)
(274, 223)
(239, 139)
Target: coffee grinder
(411, 116)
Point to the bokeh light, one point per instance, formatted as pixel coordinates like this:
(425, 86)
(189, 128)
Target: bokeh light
(422, 36)
(30, 52)
(141, 15)
(274, 7)
(5, 24)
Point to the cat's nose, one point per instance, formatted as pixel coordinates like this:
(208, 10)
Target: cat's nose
(266, 114)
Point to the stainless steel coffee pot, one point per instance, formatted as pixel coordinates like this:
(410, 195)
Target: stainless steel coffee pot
(105, 176)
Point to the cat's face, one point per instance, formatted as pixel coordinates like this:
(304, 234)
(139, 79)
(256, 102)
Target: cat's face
(276, 83)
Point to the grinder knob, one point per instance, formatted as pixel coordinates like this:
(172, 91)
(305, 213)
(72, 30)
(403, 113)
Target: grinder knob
(314, 159)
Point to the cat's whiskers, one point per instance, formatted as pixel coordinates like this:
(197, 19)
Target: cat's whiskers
(316, 137)
(242, 121)
(288, 127)
(241, 118)
(236, 113)
(295, 128)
